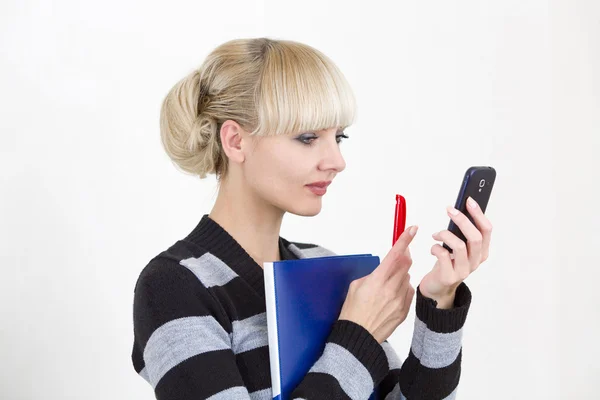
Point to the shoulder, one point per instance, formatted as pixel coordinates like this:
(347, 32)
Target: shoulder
(307, 250)
(169, 266)
(182, 275)
(172, 287)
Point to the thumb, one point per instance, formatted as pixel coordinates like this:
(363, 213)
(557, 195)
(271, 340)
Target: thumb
(397, 251)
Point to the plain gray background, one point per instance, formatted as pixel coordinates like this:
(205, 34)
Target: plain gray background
(88, 196)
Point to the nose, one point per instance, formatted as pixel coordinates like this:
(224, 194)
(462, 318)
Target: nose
(332, 158)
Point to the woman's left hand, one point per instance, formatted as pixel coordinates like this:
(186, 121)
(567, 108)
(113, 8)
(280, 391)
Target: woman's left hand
(441, 282)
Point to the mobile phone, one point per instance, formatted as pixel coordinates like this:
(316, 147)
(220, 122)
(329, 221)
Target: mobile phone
(477, 183)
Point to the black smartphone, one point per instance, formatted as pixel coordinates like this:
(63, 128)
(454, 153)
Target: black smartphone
(477, 183)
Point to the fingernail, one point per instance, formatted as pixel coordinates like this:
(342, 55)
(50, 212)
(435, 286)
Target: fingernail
(472, 203)
(412, 230)
(452, 210)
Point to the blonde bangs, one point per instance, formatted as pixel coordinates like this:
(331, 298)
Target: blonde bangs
(301, 90)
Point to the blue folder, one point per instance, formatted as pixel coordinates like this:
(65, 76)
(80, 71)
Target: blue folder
(304, 298)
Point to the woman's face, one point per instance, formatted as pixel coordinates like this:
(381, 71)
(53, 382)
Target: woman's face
(281, 168)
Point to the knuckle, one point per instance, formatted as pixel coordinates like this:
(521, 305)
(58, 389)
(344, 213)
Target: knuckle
(403, 258)
(443, 252)
(388, 292)
(401, 315)
(398, 303)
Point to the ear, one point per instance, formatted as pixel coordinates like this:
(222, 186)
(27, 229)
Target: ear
(231, 139)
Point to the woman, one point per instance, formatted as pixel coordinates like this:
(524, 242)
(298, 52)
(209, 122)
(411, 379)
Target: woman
(266, 117)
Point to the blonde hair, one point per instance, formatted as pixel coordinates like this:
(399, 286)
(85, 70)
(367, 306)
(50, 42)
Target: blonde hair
(267, 86)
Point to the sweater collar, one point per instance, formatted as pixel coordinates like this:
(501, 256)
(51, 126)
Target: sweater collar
(212, 237)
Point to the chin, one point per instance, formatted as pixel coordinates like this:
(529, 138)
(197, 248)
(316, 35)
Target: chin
(306, 210)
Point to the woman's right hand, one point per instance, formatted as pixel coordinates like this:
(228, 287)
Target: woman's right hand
(380, 301)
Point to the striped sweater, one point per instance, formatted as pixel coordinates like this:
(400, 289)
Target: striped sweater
(200, 332)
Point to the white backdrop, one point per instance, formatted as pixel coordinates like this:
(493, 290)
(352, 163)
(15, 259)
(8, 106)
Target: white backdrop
(88, 196)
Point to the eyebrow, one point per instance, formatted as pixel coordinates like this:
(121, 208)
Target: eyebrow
(340, 130)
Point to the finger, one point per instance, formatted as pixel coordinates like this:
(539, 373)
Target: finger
(398, 255)
(462, 263)
(404, 285)
(448, 275)
(397, 280)
(472, 234)
(403, 291)
(409, 296)
(483, 224)
(407, 300)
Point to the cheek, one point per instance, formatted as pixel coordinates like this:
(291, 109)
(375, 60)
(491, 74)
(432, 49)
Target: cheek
(286, 175)
(280, 175)
(290, 167)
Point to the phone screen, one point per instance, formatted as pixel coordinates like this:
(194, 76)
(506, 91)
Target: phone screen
(477, 183)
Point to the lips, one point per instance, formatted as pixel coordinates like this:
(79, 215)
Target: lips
(319, 188)
(321, 184)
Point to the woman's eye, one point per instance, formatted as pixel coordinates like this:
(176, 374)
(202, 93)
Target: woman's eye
(308, 139)
(340, 137)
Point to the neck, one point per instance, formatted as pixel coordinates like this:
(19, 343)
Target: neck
(253, 223)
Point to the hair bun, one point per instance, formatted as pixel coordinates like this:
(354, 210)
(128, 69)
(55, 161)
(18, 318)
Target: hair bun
(202, 132)
(188, 132)
(203, 103)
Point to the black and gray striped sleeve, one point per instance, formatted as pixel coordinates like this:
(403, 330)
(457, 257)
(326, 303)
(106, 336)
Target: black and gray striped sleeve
(351, 366)
(182, 341)
(433, 366)
(185, 346)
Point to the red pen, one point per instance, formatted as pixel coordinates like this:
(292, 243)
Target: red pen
(399, 218)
